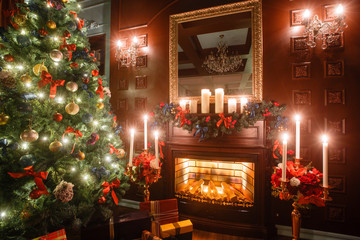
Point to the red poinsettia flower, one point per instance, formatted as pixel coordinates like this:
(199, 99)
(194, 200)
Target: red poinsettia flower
(276, 104)
(275, 177)
(95, 72)
(152, 114)
(293, 171)
(290, 152)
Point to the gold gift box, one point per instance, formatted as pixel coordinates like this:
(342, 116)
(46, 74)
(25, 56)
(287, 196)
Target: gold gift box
(176, 228)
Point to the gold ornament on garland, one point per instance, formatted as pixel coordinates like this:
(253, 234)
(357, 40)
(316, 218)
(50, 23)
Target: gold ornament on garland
(81, 156)
(26, 78)
(120, 153)
(20, 19)
(100, 105)
(51, 24)
(29, 135)
(72, 108)
(38, 68)
(56, 55)
(72, 86)
(4, 119)
(55, 146)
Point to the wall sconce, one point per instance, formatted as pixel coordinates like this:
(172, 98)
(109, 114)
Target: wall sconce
(325, 31)
(127, 51)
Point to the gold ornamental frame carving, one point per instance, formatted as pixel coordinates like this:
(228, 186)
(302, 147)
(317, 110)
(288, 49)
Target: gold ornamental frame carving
(254, 6)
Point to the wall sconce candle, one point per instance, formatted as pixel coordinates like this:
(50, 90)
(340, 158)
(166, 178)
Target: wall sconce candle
(145, 131)
(205, 100)
(297, 140)
(193, 106)
(325, 161)
(219, 100)
(243, 102)
(183, 104)
(231, 105)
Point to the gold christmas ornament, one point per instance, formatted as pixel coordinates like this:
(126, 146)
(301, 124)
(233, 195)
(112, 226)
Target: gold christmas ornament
(51, 24)
(55, 146)
(72, 108)
(56, 55)
(100, 105)
(38, 68)
(81, 156)
(65, 1)
(120, 153)
(4, 119)
(20, 19)
(72, 86)
(29, 135)
(26, 78)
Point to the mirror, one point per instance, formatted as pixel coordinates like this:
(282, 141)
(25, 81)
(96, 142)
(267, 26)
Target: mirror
(218, 47)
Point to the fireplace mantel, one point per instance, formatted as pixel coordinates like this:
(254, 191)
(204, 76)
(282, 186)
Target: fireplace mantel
(245, 147)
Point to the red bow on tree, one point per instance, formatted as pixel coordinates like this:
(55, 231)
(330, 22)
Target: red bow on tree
(29, 171)
(80, 21)
(76, 132)
(46, 78)
(107, 188)
(113, 149)
(70, 48)
(100, 89)
(181, 114)
(226, 120)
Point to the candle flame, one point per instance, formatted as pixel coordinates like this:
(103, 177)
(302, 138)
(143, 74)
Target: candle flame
(285, 137)
(145, 117)
(297, 117)
(324, 138)
(339, 9)
(132, 131)
(156, 133)
(244, 100)
(306, 13)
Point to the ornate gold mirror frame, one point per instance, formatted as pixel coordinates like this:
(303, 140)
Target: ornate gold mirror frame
(253, 6)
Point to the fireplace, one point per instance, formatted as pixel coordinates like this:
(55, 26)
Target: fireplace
(221, 183)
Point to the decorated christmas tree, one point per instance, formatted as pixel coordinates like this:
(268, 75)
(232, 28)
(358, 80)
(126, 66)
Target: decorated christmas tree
(61, 159)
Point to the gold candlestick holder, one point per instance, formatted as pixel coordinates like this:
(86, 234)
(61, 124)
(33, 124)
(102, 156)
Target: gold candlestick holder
(326, 194)
(297, 162)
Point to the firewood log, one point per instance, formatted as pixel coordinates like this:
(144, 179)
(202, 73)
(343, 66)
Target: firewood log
(196, 186)
(212, 191)
(185, 188)
(241, 194)
(230, 195)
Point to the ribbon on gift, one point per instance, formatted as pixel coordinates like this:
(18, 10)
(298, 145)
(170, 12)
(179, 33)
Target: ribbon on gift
(70, 48)
(39, 176)
(79, 21)
(110, 187)
(76, 132)
(46, 78)
(167, 108)
(202, 131)
(100, 89)
(226, 120)
(4, 144)
(181, 114)
(85, 87)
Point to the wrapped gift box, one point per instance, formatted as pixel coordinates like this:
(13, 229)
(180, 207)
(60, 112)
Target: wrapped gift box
(163, 212)
(58, 235)
(124, 227)
(178, 230)
(146, 235)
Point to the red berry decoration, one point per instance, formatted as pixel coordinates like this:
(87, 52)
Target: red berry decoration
(8, 58)
(57, 117)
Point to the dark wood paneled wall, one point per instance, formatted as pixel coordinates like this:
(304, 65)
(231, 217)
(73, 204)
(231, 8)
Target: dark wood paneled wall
(310, 97)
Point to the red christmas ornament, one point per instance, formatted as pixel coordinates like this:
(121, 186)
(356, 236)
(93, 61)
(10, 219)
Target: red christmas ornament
(95, 72)
(43, 32)
(74, 65)
(57, 117)
(86, 80)
(8, 58)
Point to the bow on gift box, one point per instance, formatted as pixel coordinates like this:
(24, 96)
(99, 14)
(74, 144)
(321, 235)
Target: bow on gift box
(181, 114)
(85, 87)
(79, 21)
(76, 132)
(46, 78)
(226, 120)
(100, 89)
(70, 48)
(39, 176)
(167, 107)
(202, 131)
(110, 187)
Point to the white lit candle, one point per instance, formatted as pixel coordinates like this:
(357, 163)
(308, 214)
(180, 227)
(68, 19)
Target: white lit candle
(145, 131)
(306, 14)
(284, 157)
(131, 154)
(219, 100)
(243, 102)
(297, 140)
(325, 161)
(205, 100)
(183, 104)
(231, 105)
(339, 10)
(157, 149)
(193, 106)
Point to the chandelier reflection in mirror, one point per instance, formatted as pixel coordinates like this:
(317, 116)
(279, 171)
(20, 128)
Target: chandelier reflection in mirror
(324, 31)
(221, 62)
(126, 57)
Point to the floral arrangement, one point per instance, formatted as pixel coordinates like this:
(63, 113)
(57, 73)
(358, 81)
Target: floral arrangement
(302, 184)
(212, 125)
(145, 170)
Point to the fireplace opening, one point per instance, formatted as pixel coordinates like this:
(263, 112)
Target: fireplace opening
(223, 182)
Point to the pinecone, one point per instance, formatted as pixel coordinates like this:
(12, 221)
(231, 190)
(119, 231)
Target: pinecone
(7, 80)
